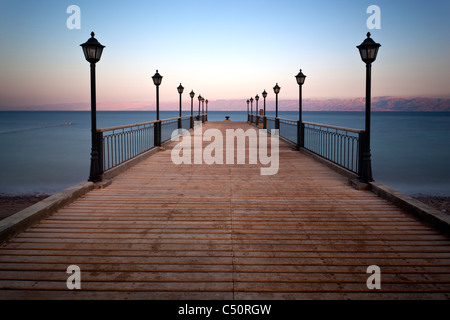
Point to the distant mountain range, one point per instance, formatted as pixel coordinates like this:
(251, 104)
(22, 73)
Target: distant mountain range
(357, 104)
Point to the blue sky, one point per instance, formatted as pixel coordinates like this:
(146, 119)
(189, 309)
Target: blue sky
(221, 49)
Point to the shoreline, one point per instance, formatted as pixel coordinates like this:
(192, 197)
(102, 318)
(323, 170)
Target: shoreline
(11, 204)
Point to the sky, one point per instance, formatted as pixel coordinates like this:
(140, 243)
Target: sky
(219, 49)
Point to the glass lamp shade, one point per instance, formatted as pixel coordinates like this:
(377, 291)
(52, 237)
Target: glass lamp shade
(157, 78)
(257, 98)
(248, 101)
(180, 89)
(251, 100)
(300, 78)
(368, 49)
(192, 94)
(92, 49)
(200, 98)
(264, 94)
(276, 89)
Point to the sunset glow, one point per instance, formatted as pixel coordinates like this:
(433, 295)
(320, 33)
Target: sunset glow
(221, 50)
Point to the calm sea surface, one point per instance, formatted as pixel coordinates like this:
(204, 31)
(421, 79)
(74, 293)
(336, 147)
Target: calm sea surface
(46, 152)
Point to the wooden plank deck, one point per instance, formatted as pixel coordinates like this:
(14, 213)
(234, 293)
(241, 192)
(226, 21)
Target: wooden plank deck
(166, 231)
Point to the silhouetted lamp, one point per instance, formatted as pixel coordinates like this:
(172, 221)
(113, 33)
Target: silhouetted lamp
(264, 94)
(276, 89)
(368, 51)
(300, 78)
(180, 89)
(157, 79)
(93, 50)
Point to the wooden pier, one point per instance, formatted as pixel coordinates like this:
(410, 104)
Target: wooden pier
(166, 231)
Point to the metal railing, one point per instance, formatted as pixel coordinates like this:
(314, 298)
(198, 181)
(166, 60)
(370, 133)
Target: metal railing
(342, 146)
(167, 127)
(270, 123)
(288, 129)
(119, 144)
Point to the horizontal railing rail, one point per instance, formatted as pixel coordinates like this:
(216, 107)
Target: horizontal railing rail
(119, 144)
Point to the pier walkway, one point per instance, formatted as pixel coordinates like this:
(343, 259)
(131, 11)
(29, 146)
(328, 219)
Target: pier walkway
(166, 231)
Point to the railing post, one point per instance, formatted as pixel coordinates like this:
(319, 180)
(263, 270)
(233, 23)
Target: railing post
(361, 140)
(100, 151)
(265, 122)
(157, 133)
(300, 135)
(277, 123)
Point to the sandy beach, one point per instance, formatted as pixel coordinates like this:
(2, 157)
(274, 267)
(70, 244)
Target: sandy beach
(12, 204)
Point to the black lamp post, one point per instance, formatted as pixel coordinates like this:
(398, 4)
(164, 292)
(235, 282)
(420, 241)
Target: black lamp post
(276, 89)
(368, 51)
(248, 109)
(199, 102)
(192, 95)
(300, 132)
(92, 50)
(264, 94)
(256, 109)
(251, 110)
(203, 109)
(206, 116)
(157, 79)
(180, 91)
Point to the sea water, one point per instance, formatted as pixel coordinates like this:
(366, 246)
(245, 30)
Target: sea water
(44, 152)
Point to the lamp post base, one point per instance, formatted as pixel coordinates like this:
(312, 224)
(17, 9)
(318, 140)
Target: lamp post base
(95, 175)
(366, 173)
